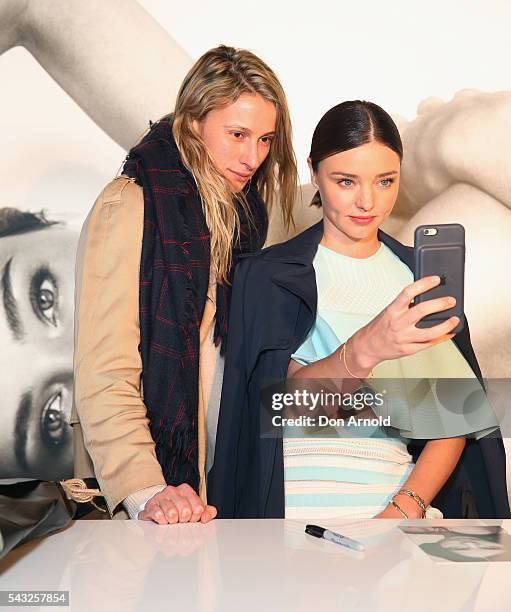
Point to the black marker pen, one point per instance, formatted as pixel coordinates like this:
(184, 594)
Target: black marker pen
(331, 536)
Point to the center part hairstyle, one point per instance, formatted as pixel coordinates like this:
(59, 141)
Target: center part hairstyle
(218, 79)
(349, 125)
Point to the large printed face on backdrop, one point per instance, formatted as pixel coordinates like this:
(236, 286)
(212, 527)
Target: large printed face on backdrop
(36, 336)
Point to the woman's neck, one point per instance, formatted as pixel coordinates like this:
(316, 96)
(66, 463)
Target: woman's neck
(339, 242)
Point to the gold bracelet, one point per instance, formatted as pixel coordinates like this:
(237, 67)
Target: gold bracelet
(398, 508)
(416, 498)
(342, 357)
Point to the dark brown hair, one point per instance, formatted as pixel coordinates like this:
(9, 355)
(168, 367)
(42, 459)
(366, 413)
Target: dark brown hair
(349, 125)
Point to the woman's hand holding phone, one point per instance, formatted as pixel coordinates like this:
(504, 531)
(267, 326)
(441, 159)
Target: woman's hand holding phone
(393, 333)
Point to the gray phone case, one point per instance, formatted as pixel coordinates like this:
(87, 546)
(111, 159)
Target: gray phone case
(440, 250)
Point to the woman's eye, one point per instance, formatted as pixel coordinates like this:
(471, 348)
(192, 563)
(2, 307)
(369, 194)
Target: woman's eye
(44, 296)
(346, 182)
(237, 135)
(267, 139)
(52, 420)
(386, 182)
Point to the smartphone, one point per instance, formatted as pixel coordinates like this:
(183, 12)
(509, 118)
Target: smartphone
(440, 250)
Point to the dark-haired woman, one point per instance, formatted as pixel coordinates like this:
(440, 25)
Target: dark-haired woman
(335, 303)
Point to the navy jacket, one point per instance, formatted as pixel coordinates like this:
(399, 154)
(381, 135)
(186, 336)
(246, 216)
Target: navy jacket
(273, 308)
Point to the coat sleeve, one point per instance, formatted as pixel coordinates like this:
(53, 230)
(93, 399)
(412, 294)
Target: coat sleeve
(477, 488)
(107, 365)
(481, 471)
(223, 476)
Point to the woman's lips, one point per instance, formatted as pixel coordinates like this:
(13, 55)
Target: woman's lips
(240, 177)
(361, 220)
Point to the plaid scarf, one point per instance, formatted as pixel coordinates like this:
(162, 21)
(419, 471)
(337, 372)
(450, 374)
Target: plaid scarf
(174, 279)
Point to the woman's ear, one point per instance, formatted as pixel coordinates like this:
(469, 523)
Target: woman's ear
(316, 200)
(196, 127)
(313, 174)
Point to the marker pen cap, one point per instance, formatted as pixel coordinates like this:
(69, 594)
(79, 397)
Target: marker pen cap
(315, 531)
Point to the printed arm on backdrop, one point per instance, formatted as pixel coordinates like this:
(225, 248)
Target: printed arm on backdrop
(108, 366)
(464, 140)
(118, 64)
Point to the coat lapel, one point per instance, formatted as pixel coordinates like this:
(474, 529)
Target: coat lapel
(404, 253)
(296, 274)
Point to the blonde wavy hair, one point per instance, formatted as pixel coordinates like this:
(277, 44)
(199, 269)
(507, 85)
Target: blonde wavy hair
(217, 79)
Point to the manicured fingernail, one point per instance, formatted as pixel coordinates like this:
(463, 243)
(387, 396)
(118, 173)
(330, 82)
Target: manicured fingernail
(435, 279)
(452, 300)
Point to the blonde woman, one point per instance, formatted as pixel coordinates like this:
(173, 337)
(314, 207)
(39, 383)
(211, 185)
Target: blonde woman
(154, 268)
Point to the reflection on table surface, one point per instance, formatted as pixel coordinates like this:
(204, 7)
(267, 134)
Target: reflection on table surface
(252, 565)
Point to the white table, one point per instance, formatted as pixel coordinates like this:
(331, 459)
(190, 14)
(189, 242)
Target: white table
(251, 565)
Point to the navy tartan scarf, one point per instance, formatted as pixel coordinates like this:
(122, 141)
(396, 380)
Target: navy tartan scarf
(174, 278)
